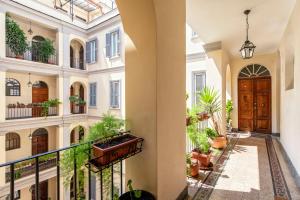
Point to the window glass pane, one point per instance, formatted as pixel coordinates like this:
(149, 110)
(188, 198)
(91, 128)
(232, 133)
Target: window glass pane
(199, 84)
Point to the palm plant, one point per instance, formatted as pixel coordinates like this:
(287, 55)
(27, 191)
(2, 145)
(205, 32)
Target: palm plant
(209, 101)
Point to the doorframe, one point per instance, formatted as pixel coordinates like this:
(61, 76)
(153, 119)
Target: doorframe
(258, 77)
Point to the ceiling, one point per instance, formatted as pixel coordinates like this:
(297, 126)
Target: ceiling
(223, 20)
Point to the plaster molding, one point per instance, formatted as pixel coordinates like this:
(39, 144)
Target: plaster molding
(213, 46)
(192, 57)
(107, 70)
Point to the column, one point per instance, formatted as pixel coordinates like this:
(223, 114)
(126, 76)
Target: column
(155, 93)
(63, 90)
(63, 140)
(63, 45)
(2, 33)
(2, 94)
(59, 47)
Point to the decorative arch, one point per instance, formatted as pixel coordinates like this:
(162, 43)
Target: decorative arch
(39, 84)
(254, 70)
(38, 38)
(77, 134)
(12, 141)
(39, 132)
(36, 42)
(12, 87)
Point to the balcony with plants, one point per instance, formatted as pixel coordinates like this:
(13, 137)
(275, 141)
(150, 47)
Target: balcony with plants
(26, 44)
(99, 156)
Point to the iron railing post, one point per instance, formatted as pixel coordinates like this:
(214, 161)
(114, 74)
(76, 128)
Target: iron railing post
(37, 178)
(12, 181)
(57, 176)
(75, 175)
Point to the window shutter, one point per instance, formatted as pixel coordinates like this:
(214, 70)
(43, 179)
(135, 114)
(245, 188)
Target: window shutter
(96, 49)
(119, 42)
(88, 52)
(108, 43)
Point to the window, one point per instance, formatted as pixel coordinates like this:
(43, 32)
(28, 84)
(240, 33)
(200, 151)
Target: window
(113, 44)
(17, 195)
(93, 88)
(194, 34)
(198, 85)
(12, 87)
(115, 93)
(91, 51)
(12, 141)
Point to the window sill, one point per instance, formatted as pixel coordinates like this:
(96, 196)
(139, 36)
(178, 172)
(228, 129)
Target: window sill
(111, 108)
(114, 57)
(92, 107)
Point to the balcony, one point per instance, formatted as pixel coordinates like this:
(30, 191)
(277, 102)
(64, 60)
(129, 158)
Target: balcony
(77, 63)
(34, 55)
(21, 111)
(77, 109)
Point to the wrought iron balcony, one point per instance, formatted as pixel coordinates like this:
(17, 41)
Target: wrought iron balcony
(77, 63)
(38, 163)
(21, 111)
(33, 55)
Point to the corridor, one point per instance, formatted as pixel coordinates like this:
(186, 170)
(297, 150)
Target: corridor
(254, 167)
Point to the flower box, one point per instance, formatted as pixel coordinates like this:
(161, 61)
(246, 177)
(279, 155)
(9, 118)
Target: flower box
(115, 148)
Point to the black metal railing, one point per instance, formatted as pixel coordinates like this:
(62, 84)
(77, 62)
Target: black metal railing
(77, 63)
(13, 168)
(28, 168)
(77, 109)
(33, 55)
(29, 111)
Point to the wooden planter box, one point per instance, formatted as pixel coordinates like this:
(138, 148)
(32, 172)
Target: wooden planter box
(114, 149)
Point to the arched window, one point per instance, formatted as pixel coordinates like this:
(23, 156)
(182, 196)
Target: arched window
(12, 87)
(254, 70)
(12, 141)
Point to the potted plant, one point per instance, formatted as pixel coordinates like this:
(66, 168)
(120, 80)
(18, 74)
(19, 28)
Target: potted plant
(200, 140)
(229, 109)
(192, 166)
(11, 105)
(47, 104)
(136, 194)
(108, 126)
(15, 38)
(46, 50)
(209, 101)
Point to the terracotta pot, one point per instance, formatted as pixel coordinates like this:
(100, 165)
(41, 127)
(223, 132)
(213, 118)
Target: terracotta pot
(19, 56)
(188, 121)
(194, 167)
(195, 154)
(204, 159)
(115, 148)
(219, 142)
(203, 116)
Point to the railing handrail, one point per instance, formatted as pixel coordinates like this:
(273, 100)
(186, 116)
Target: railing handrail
(56, 150)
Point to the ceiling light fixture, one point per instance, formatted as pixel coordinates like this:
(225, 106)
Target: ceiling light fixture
(247, 50)
(30, 30)
(29, 84)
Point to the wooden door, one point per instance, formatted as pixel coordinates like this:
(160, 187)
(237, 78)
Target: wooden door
(262, 105)
(245, 104)
(39, 141)
(81, 95)
(43, 191)
(254, 104)
(40, 94)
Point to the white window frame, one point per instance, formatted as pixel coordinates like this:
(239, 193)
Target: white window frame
(194, 92)
(114, 44)
(93, 51)
(112, 94)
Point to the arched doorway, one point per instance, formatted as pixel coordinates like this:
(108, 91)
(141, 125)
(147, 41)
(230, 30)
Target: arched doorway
(76, 54)
(36, 42)
(39, 141)
(40, 94)
(81, 58)
(71, 57)
(254, 99)
(77, 134)
(77, 98)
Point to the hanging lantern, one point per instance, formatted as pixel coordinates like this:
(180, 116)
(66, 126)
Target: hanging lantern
(29, 84)
(247, 49)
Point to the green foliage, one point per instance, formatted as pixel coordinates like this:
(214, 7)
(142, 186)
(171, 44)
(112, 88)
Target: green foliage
(193, 114)
(46, 49)
(15, 37)
(211, 133)
(137, 193)
(209, 101)
(229, 109)
(199, 139)
(109, 126)
(77, 100)
(47, 104)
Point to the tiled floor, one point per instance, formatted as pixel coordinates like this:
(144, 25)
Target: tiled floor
(246, 174)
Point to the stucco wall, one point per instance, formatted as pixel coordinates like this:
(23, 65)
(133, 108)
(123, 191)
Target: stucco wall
(270, 62)
(290, 99)
(26, 92)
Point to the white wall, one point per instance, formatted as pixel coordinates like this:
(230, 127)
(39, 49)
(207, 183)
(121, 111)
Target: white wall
(290, 109)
